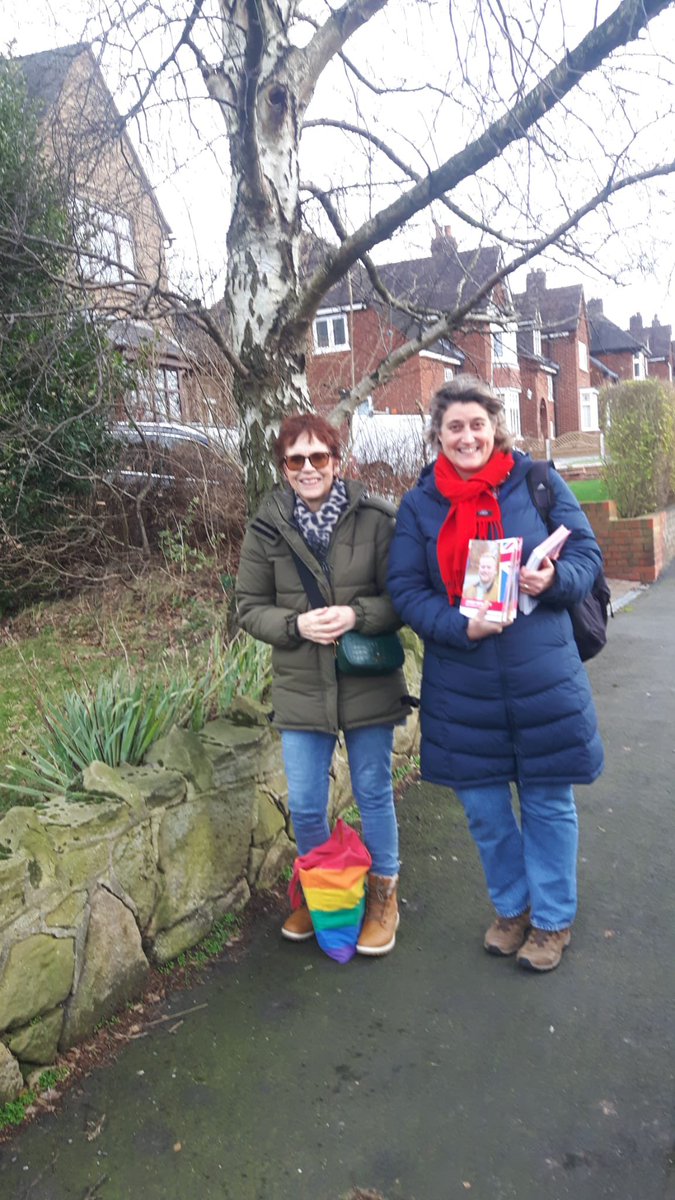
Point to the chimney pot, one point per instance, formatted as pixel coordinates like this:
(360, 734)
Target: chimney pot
(536, 283)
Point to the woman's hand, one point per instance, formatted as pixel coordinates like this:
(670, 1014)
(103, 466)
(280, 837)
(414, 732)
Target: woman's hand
(326, 625)
(533, 583)
(479, 627)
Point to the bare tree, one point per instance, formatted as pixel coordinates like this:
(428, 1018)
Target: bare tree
(522, 139)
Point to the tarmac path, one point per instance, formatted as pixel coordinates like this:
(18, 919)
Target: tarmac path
(438, 1072)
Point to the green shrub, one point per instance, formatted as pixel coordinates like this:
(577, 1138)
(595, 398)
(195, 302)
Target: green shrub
(639, 423)
(59, 374)
(119, 719)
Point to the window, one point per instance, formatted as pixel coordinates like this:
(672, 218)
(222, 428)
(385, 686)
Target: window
(448, 374)
(158, 396)
(330, 334)
(583, 356)
(106, 244)
(510, 398)
(536, 341)
(504, 350)
(588, 398)
(549, 388)
(638, 366)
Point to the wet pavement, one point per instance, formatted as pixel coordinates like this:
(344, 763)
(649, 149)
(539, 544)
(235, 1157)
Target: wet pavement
(438, 1072)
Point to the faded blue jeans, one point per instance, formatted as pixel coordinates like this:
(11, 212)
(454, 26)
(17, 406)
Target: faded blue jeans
(307, 759)
(534, 866)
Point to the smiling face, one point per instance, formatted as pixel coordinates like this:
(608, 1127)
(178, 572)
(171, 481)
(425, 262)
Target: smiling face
(311, 484)
(487, 569)
(467, 437)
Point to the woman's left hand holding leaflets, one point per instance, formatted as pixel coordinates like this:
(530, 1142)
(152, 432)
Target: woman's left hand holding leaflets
(326, 625)
(533, 583)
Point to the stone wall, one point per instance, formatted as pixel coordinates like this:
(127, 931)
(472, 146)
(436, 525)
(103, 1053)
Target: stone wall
(93, 891)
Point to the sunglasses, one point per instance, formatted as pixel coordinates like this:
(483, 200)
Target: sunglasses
(319, 459)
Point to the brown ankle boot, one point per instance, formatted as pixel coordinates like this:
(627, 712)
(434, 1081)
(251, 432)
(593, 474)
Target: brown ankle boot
(543, 949)
(507, 934)
(298, 927)
(378, 934)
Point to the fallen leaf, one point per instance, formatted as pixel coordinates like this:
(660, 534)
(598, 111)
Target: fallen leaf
(609, 933)
(178, 1146)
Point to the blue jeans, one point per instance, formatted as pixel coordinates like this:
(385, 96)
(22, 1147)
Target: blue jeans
(534, 866)
(307, 759)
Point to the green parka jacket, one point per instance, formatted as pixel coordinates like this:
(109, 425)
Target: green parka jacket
(306, 691)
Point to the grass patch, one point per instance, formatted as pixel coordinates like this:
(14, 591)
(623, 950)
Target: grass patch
(220, 936)
(101, 676)
(590, 490)
(14, 1111)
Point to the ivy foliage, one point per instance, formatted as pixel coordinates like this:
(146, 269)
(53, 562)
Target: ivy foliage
(58, 370)
(639, 424)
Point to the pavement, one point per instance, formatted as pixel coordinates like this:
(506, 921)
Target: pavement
(438, 1072)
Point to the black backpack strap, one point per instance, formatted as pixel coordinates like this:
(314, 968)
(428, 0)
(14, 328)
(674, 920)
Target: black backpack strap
(539, 483)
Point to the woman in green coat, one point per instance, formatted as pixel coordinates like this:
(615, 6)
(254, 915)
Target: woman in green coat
(342, 536)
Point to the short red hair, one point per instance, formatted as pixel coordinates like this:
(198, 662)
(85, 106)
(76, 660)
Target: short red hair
(314, 426)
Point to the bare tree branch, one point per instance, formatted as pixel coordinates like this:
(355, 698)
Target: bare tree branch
(623, 26)
(328, 40)
(450, 321)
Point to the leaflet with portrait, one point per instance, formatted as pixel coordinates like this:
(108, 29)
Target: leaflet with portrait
(492, 571)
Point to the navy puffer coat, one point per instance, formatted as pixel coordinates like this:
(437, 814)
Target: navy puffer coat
(516, 706)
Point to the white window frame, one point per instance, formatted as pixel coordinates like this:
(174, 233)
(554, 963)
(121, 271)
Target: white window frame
(157, 397)
(106, 244)
(639, 366)
(510, 398)
(504, 348)
(329, 319)
(536, 341)
(588, 410)
(549, 388)
(583, 358)
(448, 374)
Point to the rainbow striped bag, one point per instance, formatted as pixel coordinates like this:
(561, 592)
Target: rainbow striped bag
(331, 880)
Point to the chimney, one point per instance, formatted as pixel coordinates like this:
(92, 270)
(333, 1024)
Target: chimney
(636, 326)
(594, 308)
(443, 242)
(536, 284)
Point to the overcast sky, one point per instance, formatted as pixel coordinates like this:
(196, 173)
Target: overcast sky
(192, 184)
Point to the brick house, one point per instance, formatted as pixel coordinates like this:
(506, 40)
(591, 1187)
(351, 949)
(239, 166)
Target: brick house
(355, 328)
(659, 342)
(557, 320)
(120, 231)
(538, 375)
(619, 350)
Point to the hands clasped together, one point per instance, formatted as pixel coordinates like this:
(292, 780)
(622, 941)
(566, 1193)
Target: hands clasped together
(326, 625)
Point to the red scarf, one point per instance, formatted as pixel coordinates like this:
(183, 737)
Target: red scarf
(474, 513)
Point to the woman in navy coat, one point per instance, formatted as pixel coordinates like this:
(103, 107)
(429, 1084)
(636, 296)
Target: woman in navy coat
(501, 704)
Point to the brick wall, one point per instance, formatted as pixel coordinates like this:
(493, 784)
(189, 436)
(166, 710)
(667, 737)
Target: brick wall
(570, 380)
(660, 370)
(621, 363)
(370, 340)
(477, 348)
(633, 547)
(534, 380)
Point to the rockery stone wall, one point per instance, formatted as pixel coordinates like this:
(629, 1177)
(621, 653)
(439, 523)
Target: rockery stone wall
(93, 891)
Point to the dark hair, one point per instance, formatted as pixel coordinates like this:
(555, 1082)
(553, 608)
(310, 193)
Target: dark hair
(466, 389)
(314, 426)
